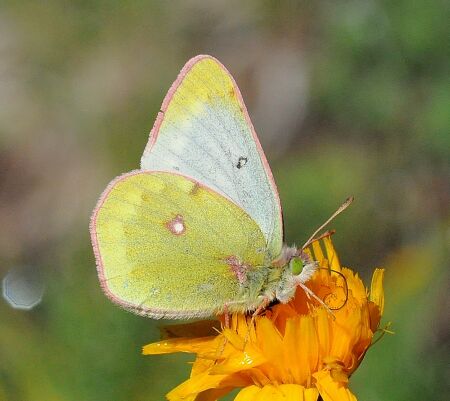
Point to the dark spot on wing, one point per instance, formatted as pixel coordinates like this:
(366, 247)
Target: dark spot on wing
(242, 161)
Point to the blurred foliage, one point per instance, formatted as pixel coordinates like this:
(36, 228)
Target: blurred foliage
(348, 97)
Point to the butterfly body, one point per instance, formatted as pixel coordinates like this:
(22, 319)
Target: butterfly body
(198, 229)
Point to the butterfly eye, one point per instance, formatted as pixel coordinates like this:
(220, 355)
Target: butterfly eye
(242, 161)
(296, 266)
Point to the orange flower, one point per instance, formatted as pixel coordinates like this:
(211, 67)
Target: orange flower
(295, 351)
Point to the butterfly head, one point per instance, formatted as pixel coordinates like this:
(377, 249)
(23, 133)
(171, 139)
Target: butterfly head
(293, 260)
(298, 268)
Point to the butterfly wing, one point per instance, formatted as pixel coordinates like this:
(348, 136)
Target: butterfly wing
(167, 246)
(203, 131)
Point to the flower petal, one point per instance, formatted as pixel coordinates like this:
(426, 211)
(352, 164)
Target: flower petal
(240, 361)
(295, 392)
(270, 342)
(311, 394)
(331, 390)
(234, 338)
(318, 254)
(213, 394)
(376, 289)
(248, 393)
(324, 332)
(200, 365)
(282, 392)
(308, 347)
(290, 350)
(332, 257)
(191, 388)
(190, 345)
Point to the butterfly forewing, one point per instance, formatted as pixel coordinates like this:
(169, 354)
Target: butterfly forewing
(203, 131)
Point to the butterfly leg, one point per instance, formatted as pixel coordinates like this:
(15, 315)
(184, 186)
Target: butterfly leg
(226, 315)
(226, 324)
(264, 304)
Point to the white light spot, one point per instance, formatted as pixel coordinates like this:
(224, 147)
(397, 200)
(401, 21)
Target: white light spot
(178, 228)
(176, 225)
(23, 288)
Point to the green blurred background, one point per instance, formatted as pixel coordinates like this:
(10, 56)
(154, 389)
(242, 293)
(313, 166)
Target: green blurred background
(348, 97)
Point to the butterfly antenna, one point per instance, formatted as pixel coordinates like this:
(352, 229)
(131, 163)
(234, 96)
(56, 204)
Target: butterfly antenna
(341, 208)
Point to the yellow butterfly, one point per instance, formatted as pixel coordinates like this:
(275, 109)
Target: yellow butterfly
(197, 230)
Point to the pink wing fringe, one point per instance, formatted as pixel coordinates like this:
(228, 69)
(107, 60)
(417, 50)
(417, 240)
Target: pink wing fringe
(94, 240)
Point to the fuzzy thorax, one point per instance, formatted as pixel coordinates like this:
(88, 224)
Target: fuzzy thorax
(277, 281)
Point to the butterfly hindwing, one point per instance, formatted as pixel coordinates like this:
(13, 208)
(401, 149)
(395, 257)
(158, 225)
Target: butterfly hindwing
(164, 243)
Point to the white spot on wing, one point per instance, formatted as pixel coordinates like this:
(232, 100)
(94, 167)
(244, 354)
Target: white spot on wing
(178, 228)
(176, 225)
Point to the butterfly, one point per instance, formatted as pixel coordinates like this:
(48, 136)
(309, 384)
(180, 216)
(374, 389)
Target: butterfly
(198, 229)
